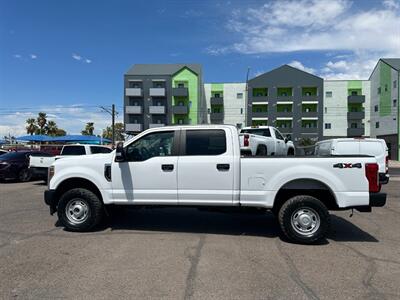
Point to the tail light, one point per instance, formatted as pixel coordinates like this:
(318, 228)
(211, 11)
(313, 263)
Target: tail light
(387, 164)
(246, 140)
(371, 172)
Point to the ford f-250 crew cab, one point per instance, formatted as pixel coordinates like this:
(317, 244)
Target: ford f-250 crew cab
(264, 140)
(202, 166)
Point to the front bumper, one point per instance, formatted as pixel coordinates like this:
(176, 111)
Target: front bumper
(375, 200)
(50, 200)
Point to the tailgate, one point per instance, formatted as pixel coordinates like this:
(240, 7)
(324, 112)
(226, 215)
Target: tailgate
(40, 161)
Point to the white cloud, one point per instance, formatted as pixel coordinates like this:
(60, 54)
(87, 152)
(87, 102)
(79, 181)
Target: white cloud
(300, 66)
(17, 56)
(76, 56)
(364, 34)
(88, 61)
(70, 118)
(33, 56)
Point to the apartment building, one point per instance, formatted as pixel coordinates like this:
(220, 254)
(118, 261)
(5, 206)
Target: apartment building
(289, 99)
(385, 113)
(226, 103)
(163, 94)
(346, 108)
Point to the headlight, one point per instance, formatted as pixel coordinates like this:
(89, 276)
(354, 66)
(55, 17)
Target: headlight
(51, 173)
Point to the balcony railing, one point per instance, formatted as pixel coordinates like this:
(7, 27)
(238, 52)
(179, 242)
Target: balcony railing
(284, 98)
(285, 130)
(214, 116)
(309, 98)
(157, 109)
(133, 109)
(356, 99)
(284, 114)
(133, 127)
(180, 110)
(355, 132)
(155, 125)
(313, 114)
(355, 115)
(157, 92)
(309, 129)
(256, 99)
(217, 100)
(259, 114)
(180, 92)
(133, 92)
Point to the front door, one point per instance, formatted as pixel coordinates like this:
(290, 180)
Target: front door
(205, 168)
(149, 173)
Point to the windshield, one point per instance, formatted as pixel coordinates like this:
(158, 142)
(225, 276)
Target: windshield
(257, 131)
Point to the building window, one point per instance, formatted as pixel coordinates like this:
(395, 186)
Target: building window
(239, 125)
(217, 95)
(239, 95)
(328, 125)
(386, 88)
(353, 125)
(394, 102)
(328, 94)
(394, 84)
(181, 85)
(377, 125)
(376, 108)
(326, 110)
(354, 93)
(379, 90)
(241, 111)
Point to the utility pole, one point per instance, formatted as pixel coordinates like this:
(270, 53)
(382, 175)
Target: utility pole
(112, 112)
(246, 104)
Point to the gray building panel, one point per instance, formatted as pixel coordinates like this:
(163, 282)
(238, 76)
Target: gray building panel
(285, 77)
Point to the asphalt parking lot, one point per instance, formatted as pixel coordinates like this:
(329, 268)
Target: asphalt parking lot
(184, 253)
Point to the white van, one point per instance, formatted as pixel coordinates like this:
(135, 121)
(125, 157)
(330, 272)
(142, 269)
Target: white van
(358, 146)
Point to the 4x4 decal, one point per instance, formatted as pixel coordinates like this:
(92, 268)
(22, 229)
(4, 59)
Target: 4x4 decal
(347, 165)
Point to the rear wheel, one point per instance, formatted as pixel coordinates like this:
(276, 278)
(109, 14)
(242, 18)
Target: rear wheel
(80, 210)
(304, 219)
(24, 175)
(261, 150)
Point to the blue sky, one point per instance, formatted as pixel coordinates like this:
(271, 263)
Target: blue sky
(69, 57)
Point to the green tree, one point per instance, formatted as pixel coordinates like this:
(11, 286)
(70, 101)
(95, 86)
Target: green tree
(119, 132)
(41, 121)
(51, 128)
(31, 126)
(60, 132)
(305, 142)
(89, 128)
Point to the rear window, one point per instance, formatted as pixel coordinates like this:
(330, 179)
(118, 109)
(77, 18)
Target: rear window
(73, 150)
(372, 148)
(257, 131)
(205, 142)
(323, 149)
(96, 149)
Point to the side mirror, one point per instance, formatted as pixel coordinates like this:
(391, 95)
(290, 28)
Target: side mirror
(119, 152)
(286, 140)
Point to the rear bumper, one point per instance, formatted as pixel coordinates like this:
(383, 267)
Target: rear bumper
(50, 200)
(383, 178)
(39, 172)
(375, 200)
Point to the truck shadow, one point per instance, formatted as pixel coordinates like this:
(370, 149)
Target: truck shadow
(190, 220)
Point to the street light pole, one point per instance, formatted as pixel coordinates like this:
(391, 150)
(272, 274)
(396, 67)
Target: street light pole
(112, 112)
(246, 104)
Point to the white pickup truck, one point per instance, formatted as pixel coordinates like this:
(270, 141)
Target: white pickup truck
(202, 166)
(263, 141)
(39, 165)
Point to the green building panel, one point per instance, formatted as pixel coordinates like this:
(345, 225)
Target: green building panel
(354, 86)
(191, 81)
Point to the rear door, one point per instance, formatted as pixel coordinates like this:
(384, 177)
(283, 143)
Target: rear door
(205, 167)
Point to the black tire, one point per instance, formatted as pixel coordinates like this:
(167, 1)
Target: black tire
(24, 175)
(304, 208)
(290, 152)
(91, 207)
(261, 151)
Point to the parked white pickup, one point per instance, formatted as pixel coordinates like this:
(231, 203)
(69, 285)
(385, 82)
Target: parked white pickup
(202, 166)
(263, 141)
(39, 164)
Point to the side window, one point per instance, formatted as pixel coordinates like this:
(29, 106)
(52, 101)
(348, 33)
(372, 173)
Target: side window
(73, 150)
(205, 142)
(278, 135)
(96, 149)
(151, 145)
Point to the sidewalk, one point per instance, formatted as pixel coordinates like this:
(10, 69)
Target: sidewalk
(394, 164)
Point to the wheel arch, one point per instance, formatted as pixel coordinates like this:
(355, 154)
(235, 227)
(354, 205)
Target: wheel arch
(77, 182)
(306, 186)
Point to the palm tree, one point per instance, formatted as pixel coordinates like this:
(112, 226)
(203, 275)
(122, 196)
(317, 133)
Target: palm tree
(42, 121)
(89, 128)
(31, 127)
(51, 128)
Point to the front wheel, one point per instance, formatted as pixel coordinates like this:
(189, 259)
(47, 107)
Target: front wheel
(25, 175)
(80, 210)
(304, 219)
